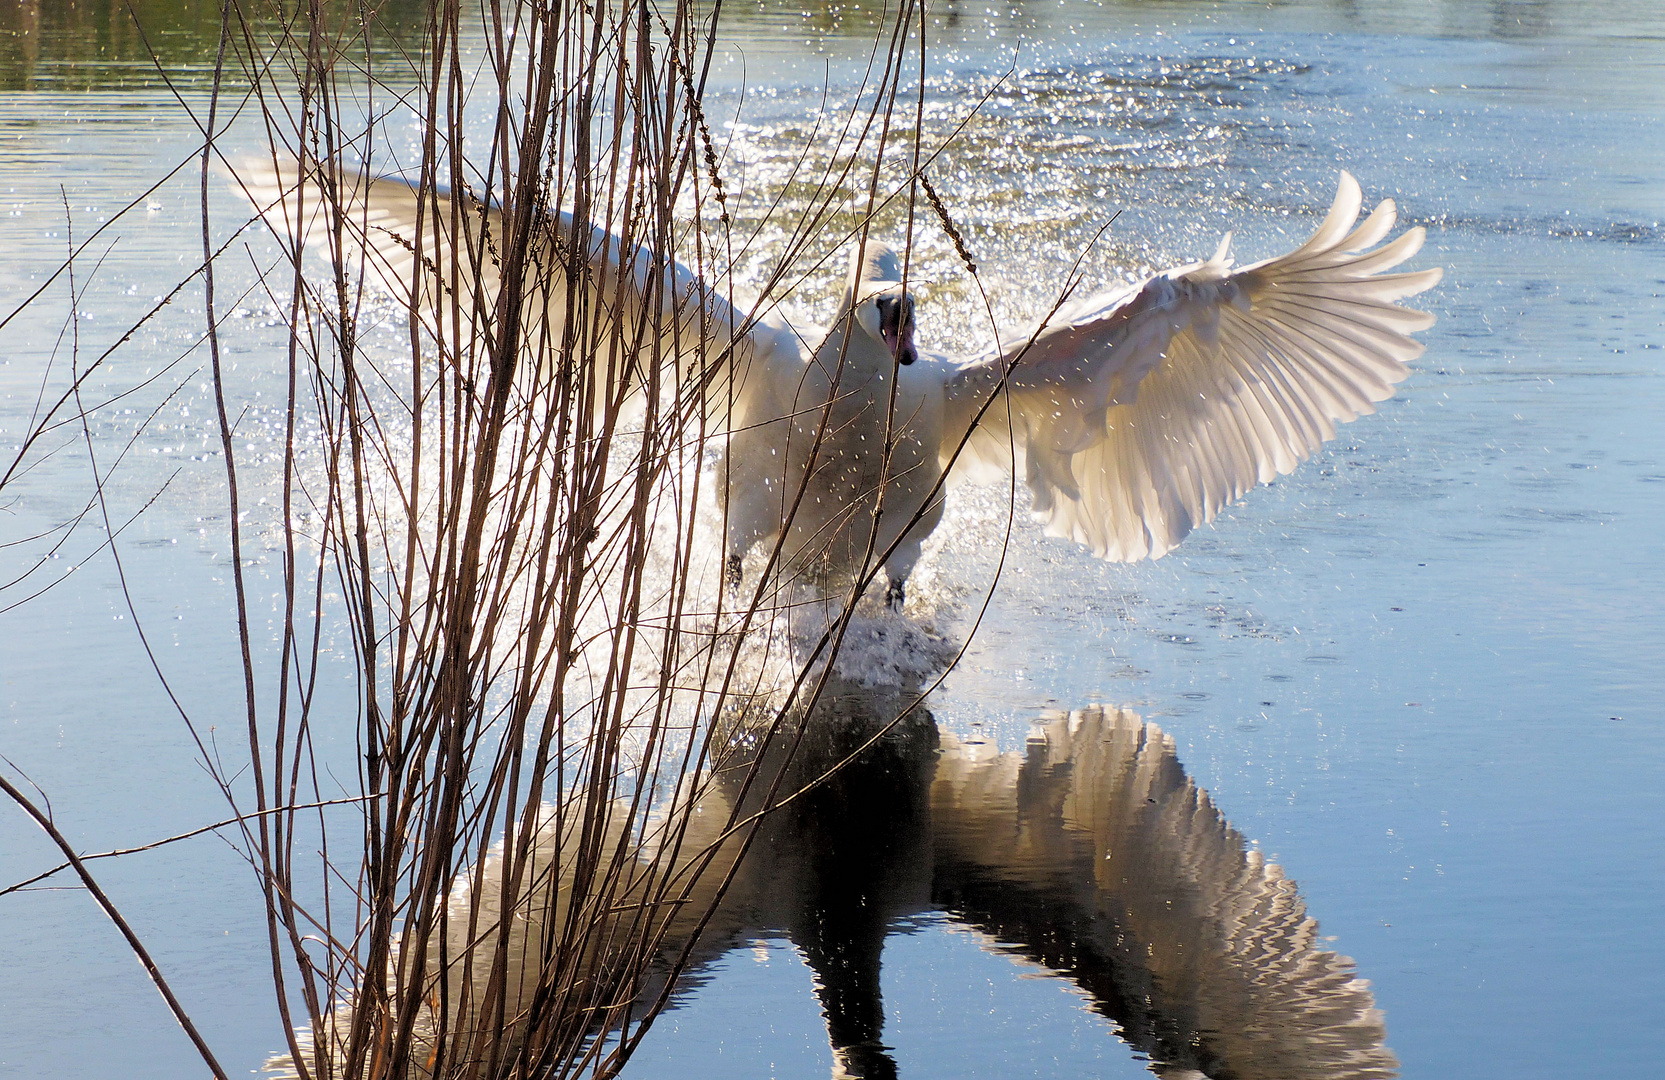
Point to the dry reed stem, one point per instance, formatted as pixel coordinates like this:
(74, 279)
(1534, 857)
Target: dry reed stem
(506, 513)
(524, 603)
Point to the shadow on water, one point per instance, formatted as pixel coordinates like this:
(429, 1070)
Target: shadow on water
(1090, 852)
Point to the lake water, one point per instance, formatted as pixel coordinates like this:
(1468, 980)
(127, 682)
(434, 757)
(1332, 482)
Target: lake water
(1425, 675)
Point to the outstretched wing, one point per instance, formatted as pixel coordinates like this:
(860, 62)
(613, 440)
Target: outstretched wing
(384, 228)
(1137, 415)
(442, 255)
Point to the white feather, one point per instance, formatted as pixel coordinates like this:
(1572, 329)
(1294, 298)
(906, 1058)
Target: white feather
(1221, 380)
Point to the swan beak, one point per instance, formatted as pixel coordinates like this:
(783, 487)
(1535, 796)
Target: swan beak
(896, 327)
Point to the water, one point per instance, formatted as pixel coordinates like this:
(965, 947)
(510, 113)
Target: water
(1422, 674)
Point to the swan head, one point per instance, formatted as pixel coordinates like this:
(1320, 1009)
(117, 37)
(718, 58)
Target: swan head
(881, 306)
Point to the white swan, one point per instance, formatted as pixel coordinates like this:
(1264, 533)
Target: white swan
(1133, 415)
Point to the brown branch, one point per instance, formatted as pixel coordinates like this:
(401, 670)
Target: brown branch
(44, 820)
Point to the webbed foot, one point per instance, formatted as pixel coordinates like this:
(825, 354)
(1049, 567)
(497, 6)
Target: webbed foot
(897, 594)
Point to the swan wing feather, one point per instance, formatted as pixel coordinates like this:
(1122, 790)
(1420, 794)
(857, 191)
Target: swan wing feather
(403, 237)
(1136, 415)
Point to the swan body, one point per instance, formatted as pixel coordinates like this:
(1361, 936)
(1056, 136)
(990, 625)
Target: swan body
(1133, 415)
(839, 448)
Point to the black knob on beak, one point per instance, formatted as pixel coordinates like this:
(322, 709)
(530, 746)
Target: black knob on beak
(896, 326)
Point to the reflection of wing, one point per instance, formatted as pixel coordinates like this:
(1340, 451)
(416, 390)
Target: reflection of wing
(586, 971)
(442, 257)
(1136, 415)
(1095, 854)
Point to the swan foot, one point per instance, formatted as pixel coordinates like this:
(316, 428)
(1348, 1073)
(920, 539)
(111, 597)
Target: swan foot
(734, 573)
(897, 594)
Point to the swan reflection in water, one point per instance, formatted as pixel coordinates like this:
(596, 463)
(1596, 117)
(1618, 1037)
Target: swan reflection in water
(1090, 852)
